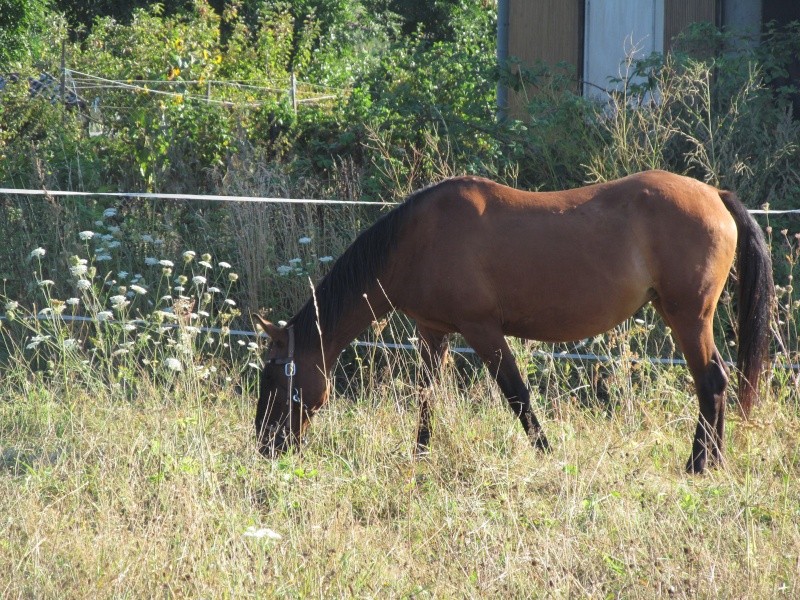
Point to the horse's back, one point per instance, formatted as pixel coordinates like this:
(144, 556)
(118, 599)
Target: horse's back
(560, 265)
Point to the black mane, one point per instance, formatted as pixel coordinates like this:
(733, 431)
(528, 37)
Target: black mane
(353, 273)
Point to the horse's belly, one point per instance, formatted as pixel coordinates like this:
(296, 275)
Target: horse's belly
(573, 320)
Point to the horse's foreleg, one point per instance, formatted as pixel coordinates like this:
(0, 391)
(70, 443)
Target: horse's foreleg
(493, 349)
(433, 348)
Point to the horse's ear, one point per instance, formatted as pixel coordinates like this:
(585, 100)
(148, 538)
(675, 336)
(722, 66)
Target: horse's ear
(275, 332)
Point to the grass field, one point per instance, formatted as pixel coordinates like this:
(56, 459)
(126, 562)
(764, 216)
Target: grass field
(158, 491)
(128, 465)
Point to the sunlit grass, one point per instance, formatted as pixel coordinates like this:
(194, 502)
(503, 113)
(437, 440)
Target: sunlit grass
(128, 464)
(104, 497)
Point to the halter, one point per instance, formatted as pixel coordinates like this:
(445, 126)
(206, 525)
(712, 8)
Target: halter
(289, 366)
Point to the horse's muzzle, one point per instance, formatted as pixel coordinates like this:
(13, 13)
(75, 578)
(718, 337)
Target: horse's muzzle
(276, 441)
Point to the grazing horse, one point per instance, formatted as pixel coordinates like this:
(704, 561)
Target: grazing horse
(475, 257)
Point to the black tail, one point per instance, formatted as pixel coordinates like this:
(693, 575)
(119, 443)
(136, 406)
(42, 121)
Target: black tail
(756, 299)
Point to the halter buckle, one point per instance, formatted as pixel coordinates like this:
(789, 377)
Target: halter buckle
(290, 369)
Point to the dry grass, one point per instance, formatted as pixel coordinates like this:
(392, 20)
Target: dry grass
(107, 496)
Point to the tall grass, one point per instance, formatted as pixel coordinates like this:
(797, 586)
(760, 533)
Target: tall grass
(128, 465)
(163, 493)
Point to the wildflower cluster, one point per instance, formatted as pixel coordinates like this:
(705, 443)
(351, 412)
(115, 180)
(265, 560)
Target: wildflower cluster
(303, 267)
(172, 318)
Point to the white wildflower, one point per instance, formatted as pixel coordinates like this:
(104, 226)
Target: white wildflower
(71, 344)
(105, 315)
(326, 259)
(78, 270)
(224, 264)
(199, 280)
(166, 263)
(205, 264)
(138, 289)
(230, 302)
(304, 240)
(284, 270)
(114, 244)
(38, 253)
(117, 300)
(173, 364)
(106, 237)
(110, 212)
(35, 341)
(147, 238)
(122, 274)
(83, 284)
(45, 312)
(214, 290)
(262, 532)
(46, 283)
(73, 301)
(295, 261)
(102, 257)
(232, 277)
(12, 305)
(189, 255)
(86, 235)
(151, 261)
(113, 229)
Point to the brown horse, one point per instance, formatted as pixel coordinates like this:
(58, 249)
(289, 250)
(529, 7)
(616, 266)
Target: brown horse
(475, 257)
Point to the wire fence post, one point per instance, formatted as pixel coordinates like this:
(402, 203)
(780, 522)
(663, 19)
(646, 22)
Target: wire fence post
(62, 88)
(293, 91)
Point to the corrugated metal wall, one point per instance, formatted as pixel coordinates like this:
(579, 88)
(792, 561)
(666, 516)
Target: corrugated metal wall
(545, 30)
(678, 14)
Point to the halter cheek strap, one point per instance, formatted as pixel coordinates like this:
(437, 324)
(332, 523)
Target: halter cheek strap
(289, 366)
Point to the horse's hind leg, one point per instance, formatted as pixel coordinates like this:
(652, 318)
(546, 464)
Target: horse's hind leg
(710, 374)
(433, 347)
(710, 383)
(491, 346)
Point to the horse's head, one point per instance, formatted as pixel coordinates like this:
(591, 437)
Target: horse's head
(293, 387)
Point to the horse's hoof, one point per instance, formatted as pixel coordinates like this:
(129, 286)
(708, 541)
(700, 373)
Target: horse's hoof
(540, 442)
(422, 451)
(696, 465)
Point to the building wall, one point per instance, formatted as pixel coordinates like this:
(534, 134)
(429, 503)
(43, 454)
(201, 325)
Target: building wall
(550, 31)
(678, 14)
(554, 31)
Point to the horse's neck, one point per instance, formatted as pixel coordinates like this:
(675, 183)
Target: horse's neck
(352, 323)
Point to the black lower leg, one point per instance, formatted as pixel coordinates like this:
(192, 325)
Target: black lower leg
(521, 406)
(424, 427)
(707, 445)
(433, 348)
